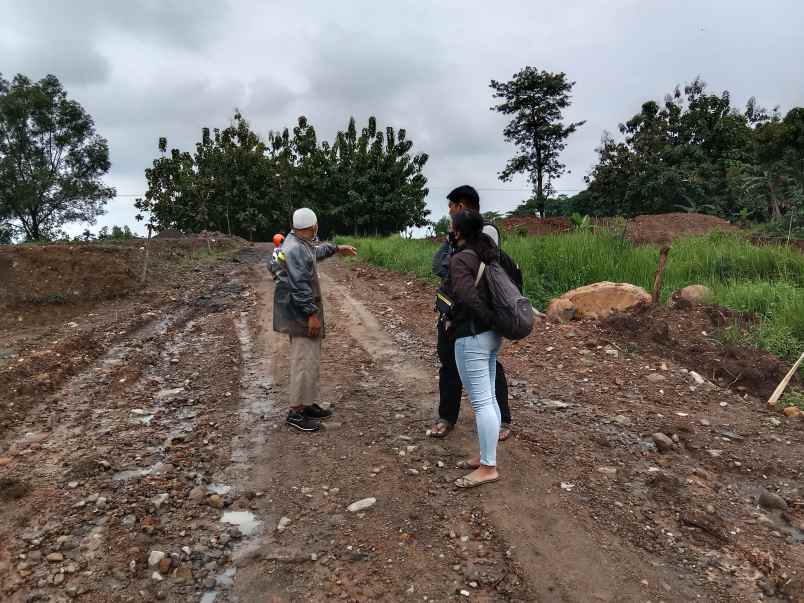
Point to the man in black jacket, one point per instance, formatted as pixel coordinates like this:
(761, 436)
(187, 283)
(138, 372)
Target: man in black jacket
(449, 381)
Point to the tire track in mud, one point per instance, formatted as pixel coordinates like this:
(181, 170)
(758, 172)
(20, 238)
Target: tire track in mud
(109, 460)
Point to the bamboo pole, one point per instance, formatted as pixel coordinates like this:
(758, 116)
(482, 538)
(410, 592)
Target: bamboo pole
(777, 393)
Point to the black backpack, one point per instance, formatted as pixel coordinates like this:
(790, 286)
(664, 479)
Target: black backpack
(513, 313)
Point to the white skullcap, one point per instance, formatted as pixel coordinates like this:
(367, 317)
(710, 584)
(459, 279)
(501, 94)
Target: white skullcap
(304, 218)
(492, 232)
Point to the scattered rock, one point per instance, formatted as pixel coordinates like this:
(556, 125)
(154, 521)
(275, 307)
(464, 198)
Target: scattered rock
(697, 378)
(656, 377)
(361, 505)
(769, 500)
(215, 501)
(663, 443)
(164, 565)
(622, 420)
(284, 522)
(607, 470)
(792, 411)
(160, 499)
(197, 494)
(55, 557)
(155, 557)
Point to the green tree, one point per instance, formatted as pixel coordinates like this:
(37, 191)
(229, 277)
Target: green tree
(366, 184)
(536, 100)
(693, 152)
(51, 159)
(441, 227)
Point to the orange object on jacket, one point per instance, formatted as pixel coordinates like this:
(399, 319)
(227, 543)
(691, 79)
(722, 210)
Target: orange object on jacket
(278, 239)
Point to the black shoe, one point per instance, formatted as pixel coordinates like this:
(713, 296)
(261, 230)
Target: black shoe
(316, 412)
(301, 422)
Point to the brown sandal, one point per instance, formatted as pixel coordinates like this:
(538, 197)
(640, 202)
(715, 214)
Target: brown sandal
(447, 427)
(467, 482)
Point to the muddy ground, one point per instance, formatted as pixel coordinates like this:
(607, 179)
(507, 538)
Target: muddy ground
(150, 462)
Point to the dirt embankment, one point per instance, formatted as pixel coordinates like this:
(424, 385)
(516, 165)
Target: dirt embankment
(656, 229)
(57, 274)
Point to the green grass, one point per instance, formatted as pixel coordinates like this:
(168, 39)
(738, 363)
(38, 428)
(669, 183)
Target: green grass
(767, 280)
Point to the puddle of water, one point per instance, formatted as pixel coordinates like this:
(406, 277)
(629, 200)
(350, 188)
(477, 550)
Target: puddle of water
(244, 520)
(128, 474)
(220, 489)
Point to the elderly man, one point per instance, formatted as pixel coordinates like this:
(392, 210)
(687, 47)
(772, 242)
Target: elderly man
(299, 313)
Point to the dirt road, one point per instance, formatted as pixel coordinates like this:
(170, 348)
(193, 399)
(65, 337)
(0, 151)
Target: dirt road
(160, 468)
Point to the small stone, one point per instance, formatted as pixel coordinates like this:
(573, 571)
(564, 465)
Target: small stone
(157, 576)
(155, 557)
(622, 420)
(187, 550)
(440, 464)
(465, 593)
(55, 557)
(197, 494)
(160, 499)
(705, 422)
(361, 505)
(663, 443)
(697, 378)
(284, 522)
(100, 503)
(4, 460)
(58, 579)
(164, 565)
(769, 500)
(224, 539)
(656, 377)
(792, 411)
(607, 470)
(72, 485)
(215, 501)
(71, 568)
(413, 472)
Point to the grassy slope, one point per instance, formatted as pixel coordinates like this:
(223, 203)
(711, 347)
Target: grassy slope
(765, 280)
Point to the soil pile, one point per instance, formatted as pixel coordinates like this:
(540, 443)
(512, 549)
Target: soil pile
(65, 273)
(536, 226)
(687, 335)
(664, 228)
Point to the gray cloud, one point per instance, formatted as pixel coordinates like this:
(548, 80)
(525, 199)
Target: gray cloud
(167, 68)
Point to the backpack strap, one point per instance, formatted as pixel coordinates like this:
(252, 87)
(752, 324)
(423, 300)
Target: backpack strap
(480, 272)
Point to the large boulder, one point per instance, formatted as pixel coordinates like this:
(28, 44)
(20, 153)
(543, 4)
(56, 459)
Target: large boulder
(561, 310)
(600, 300)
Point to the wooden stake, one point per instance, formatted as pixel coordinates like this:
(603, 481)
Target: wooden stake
(657, 280)
(777, 393)
(147, 250)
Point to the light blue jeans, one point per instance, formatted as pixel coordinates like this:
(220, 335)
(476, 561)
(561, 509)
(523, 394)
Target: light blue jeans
(476, 357)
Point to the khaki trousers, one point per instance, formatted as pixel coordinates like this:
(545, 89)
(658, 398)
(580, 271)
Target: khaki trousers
(305, 362)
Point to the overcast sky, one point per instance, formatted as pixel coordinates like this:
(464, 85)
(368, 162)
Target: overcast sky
(145, 69)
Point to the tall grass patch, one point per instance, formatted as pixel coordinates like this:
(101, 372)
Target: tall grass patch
(767, 281)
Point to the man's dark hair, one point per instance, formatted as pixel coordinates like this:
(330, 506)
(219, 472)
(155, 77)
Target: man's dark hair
(469, 223)
(467, 195)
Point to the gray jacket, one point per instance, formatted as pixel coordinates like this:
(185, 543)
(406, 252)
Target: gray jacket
(298, 291)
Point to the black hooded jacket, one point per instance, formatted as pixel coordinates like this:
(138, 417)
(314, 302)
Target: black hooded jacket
(472, 313)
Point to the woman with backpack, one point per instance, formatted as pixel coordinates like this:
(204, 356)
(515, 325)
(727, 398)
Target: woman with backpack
(471, 324)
